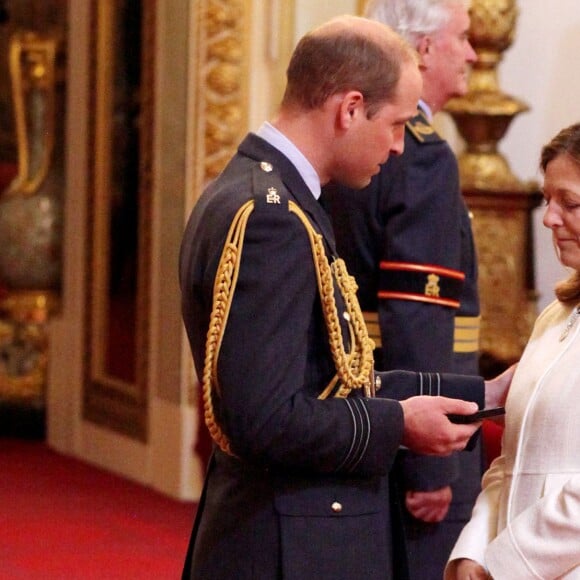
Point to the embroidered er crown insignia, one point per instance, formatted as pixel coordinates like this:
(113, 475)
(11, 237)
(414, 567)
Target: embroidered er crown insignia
(272, 196)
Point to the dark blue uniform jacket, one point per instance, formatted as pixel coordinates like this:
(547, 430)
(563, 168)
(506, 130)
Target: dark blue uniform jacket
(305, 496)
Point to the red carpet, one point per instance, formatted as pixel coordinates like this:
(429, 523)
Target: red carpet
(63, 519)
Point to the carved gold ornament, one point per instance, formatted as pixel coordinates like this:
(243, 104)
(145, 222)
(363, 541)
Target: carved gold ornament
(223, 79)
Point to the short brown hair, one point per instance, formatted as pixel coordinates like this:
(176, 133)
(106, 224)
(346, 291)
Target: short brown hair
(338, 59)
(566, 142)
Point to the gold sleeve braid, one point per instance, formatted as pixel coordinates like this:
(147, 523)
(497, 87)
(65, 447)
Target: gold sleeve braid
(354, 370)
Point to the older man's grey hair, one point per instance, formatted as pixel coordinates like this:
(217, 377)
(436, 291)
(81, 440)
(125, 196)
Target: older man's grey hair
(412, 19)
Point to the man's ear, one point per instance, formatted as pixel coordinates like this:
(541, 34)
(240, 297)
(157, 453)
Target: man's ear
(351, 106)
(424, 49)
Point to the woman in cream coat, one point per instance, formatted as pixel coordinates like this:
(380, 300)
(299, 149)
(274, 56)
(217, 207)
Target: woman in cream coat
(526, 521)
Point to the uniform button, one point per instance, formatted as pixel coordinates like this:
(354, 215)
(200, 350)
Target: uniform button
(378, 383)
(336, 507)
(346, 316)
(265, 166)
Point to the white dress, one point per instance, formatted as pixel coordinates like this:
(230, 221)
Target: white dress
(526, 521)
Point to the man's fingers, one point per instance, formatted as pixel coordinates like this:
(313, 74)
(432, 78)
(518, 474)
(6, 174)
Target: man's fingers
(459, 436)
(458, 406)
(427, 428)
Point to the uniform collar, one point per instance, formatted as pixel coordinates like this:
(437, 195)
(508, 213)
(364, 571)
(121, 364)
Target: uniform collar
(260, 150)
(278, 140)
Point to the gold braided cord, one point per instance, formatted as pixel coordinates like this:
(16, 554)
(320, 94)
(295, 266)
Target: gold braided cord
(223, 292)
(354, 369)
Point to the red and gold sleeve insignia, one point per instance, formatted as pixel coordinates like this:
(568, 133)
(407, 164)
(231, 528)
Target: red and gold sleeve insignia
(420, 282)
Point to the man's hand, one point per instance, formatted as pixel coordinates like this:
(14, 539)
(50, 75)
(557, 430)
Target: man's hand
(428, 431)
(496, 390)
(429, 506)
(466, 569)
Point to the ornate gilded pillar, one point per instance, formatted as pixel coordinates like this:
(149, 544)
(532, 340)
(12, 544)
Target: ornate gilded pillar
(500, 203)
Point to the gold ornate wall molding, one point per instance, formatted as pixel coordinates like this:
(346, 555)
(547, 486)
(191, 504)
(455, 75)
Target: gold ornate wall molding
(221, 83)
(501, 228)
(216, 122)
(220, 67)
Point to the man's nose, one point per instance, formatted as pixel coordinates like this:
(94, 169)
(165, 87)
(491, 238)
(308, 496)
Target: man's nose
(471, 55)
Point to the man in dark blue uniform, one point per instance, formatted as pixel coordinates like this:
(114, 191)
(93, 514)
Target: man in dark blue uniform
(296, 487)
(407, 240)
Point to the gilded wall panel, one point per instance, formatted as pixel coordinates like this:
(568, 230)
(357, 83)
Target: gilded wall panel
(506, 283)
(221, 83)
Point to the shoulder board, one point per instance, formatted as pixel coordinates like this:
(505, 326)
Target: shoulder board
(422, 130)
(267, 188)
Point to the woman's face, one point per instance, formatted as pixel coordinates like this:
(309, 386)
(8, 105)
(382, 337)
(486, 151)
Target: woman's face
(562, 215)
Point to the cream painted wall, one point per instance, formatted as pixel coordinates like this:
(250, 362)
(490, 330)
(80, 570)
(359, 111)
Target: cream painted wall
(274, 35)
(310, 14)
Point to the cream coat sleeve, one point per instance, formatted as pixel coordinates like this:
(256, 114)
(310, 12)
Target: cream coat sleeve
(544, 540)
(481, 528)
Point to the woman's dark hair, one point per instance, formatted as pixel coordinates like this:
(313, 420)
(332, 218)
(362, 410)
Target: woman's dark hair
(566, 142)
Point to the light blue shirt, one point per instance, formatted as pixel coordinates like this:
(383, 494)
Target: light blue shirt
(278, 140)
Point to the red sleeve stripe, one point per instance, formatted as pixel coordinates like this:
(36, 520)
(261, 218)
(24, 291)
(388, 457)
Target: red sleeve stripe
(383, 294)
(426, 268)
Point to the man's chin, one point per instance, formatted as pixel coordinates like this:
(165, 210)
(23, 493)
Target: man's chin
(357, 181)
(361, 183)
(463, 87)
